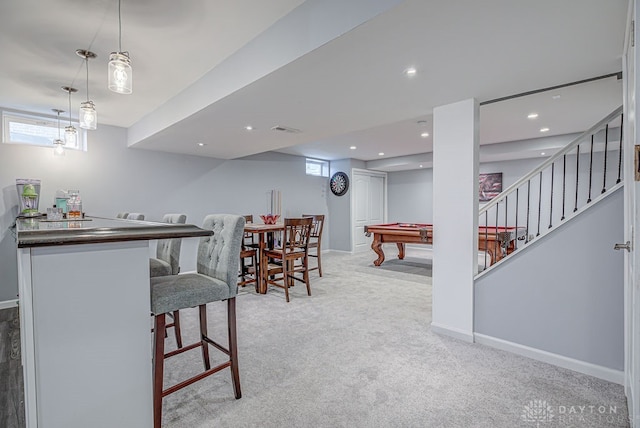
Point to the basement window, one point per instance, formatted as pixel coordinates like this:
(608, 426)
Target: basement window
(32, 130)
(317, 167)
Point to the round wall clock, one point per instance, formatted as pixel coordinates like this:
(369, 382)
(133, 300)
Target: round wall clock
(339, 183)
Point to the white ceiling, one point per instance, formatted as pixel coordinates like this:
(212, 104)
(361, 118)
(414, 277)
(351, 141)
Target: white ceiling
(201, 71)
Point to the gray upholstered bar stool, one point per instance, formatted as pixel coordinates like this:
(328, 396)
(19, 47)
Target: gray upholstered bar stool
(167, 262)
(135, 216)
(215, 280)
(122, 215)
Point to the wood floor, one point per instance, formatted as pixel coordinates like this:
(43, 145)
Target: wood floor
(12, 389)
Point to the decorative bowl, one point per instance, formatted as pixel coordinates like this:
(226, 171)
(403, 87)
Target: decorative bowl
(270, 218)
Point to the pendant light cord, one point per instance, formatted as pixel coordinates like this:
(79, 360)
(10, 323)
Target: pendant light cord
(86, 59)
(119, 28)
(69, 91)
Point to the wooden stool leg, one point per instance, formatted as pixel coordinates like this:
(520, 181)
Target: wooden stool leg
(233, 346)
(285, 278)
(256, 271)
(203, 334)
(159, 330)
(319, 260)
(306, 277)
(176, 328)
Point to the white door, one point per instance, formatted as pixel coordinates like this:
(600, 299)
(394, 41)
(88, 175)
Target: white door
(631, 194)
(368, 204)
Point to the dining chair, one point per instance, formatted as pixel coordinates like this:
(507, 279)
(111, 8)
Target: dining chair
(215, 280)
(293, 246)
(249, 252)
(167, 262)
(315, 240)
(135, 216)
(122, 215)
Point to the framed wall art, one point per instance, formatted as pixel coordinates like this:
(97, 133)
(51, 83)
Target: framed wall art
(490, 185)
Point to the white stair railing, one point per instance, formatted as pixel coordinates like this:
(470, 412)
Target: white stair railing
(584, 171)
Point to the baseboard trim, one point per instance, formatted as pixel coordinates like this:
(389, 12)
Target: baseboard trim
(611, 375)
(8, 304)
(631, 402)
(340, 251)
(451, 331)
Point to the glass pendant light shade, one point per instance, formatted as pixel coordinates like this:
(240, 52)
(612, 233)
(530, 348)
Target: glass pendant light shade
(120, 73)
(70, 132)
(88, 115)
(58, 144)
(70, 136)
(58, 147)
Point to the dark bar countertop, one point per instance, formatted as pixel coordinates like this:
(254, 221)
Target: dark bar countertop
(39, 232)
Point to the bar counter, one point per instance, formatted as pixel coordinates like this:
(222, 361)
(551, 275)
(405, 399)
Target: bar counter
(85, 320)
(39, 232)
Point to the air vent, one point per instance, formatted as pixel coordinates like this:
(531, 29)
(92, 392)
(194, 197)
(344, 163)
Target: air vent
(286, 129)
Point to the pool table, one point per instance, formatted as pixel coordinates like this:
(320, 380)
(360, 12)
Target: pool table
(496, 241)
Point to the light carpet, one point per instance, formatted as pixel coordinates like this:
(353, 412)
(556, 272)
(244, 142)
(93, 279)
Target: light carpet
(360, 353)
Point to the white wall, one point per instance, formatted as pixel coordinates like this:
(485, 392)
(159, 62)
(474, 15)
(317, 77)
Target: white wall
(114, 178)
(340, 207)
(564, 295)
(411, 192)
(410, 196)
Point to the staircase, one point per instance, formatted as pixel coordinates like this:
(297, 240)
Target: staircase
(576, 177)
(557, 295)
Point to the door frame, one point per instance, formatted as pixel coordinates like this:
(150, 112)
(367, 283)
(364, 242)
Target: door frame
(631, 222)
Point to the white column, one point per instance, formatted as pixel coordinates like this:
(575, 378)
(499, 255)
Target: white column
(455, 220)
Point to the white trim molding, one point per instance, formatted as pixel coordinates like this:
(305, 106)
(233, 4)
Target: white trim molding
(605, 373)
(337, 251)
(452, 332)
(8, 304)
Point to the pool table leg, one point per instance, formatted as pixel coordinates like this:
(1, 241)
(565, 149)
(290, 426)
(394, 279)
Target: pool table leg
(400, 250)
(376, 245)
(492, 256)
(489, 247)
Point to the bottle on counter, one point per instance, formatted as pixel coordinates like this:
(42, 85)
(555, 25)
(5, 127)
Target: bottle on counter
(62, 196)
(74, 205)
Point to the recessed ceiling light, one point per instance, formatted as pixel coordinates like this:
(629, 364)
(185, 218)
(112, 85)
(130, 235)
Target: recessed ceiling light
(542, 154)
(201, 144)
(381, 154)
(353, 147)
(544, 129)
(411, 71)
(249, 128)
(420, 166)
(555, 97)
(424, 134)
(532, 115)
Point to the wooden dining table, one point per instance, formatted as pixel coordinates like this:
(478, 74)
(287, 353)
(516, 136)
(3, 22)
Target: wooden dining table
(264, 233)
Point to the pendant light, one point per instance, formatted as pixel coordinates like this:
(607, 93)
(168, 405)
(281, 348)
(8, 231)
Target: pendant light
(88, 115)
(120, 71)
(58, 144)
(70, 132)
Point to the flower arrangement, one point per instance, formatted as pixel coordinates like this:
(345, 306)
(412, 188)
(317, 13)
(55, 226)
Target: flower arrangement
(270, 218)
